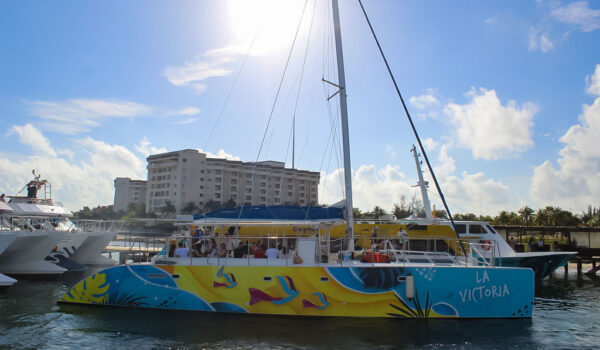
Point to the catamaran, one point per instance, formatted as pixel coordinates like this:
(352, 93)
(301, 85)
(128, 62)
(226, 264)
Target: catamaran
(302, 281)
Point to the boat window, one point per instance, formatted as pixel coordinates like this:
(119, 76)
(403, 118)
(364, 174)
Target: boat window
(267, 278)
(416, 227)
(461, 228)
(324, 279)
(490, 228)
(476, 228)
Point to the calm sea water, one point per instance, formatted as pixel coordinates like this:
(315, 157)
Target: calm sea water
(566, 315)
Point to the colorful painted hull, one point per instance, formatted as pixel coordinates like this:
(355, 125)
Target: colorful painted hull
(370, 291)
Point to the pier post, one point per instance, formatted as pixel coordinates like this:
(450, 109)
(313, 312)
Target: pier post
(579, 267)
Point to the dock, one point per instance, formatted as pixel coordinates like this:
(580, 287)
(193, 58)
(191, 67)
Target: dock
(586, 256)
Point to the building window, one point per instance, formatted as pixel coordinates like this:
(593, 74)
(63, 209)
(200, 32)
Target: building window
(248, 198)
(217, 187)
(218, 179)
(263, 198)
(289, 194)
(234, 181)
(233, 189)
(218, 195)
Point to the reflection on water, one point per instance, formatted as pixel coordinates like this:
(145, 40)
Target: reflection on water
(566, 315)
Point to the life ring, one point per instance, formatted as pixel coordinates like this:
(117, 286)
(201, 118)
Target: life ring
(486, 244)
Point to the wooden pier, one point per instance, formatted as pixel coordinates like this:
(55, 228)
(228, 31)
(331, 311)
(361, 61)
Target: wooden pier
(586, 256)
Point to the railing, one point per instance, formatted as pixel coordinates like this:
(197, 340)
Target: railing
(226, 250)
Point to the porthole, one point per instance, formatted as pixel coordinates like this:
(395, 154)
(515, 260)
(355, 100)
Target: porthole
(267, 278)
(324, 279)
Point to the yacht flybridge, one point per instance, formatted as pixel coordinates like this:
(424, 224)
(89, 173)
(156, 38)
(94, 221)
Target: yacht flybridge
(312, 274)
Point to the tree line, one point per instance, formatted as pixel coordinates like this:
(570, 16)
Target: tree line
(547, 216)
(526, 216)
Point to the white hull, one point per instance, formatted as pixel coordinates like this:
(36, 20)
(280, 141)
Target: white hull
(26, 254)
(6, 281)
(6, 239)
(89, 252)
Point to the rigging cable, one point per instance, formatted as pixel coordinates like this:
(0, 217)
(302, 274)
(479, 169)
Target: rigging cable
(281, 82)
(412, 125)
(273, 107)
(230, 91)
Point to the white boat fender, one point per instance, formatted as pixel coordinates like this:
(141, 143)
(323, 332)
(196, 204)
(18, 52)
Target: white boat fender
(410, 287)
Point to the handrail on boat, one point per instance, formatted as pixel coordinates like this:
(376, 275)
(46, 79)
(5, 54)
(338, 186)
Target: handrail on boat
(326, 251)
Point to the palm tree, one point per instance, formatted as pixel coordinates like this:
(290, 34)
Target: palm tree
(378, 212)
(190, 208)
(170, 209)
(401, 211)
(526, 213)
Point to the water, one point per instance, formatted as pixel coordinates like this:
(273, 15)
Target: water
(566, 315)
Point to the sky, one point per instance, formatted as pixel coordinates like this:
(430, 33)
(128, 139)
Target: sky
(504, 94)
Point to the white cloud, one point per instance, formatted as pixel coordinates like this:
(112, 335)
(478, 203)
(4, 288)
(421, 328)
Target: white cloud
(88, 182)
(31, 136)
(391, 151)
(424, 101)
(592, 82)
(371, 186)
(146, 149)
(185, 111)
(475, 193)
(489, 129)
(578, 14)
(540, 41)
(430, 144)
(447, 165)
(212, 64)
(491, 20)
(80, 115)
(575, 182)
(185, 121)
(220, 154)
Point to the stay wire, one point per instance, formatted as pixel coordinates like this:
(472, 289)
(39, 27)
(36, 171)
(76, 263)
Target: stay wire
(230, 92)
(281, 82)
(412, 125)
(275, 103)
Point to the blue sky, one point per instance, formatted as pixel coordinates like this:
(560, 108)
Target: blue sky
(505, 94)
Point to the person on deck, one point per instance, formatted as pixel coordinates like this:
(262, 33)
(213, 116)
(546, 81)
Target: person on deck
(259, 252)
(272, 253)
(181, 251)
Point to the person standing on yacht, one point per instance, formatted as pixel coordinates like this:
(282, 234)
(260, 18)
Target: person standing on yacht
(402, 238)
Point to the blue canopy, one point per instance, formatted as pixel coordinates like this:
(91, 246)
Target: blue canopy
(274, 212)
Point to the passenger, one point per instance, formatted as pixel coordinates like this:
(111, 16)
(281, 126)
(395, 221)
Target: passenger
(213, 251)
(259, 252)
(2, 198)
(222, 251)
(272, 253)
(172, 249)
(512, 243)
(181, 251)
(402, 238)
(240, 251)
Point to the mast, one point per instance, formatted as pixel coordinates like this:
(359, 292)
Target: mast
(344, 115)
(423, 185)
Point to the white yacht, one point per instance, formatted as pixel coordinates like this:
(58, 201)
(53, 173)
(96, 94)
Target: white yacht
(6, 238)
(46, 238)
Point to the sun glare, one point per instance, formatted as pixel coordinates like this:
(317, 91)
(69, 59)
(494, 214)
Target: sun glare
(274, 21)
